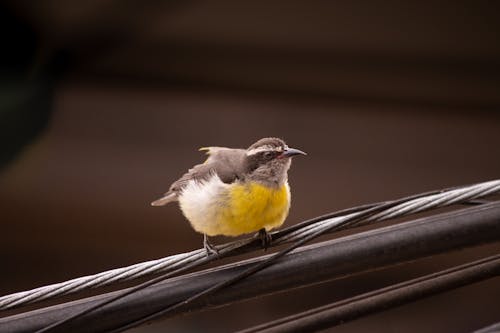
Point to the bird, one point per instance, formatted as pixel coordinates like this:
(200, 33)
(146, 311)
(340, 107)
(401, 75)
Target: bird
(236, 191)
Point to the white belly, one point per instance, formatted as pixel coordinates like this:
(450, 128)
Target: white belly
(201, 202)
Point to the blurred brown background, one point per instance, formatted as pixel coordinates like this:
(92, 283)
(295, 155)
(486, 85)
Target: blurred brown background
(104, 104)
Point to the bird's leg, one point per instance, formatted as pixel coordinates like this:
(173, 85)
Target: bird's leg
(209, 247)
(265, 238)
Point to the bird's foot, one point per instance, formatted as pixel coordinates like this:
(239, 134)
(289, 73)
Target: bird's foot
(265, 238)
(209, 247)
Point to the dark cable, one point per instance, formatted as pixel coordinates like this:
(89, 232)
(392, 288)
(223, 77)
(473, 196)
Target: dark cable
(382, 299)
(364, 211)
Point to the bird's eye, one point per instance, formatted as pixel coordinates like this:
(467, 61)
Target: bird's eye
(268, 154)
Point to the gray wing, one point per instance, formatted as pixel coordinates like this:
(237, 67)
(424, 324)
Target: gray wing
(226, 163)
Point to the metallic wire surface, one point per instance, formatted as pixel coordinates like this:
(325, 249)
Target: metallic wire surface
(174, 262)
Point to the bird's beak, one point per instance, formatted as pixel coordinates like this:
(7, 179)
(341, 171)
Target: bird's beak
(292, 152)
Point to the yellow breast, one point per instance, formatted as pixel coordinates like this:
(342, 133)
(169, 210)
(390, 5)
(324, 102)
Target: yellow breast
(215, 208)
(251, 207)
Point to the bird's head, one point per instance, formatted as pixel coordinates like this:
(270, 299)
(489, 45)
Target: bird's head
(269, 159)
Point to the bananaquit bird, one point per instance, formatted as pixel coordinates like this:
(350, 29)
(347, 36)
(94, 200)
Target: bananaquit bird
(236, 191)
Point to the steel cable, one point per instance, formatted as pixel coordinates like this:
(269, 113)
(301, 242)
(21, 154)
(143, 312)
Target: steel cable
(295, 233)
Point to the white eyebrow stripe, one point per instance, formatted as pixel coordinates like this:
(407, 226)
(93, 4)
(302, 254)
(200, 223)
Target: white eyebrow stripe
(264, 148)
(258, 150)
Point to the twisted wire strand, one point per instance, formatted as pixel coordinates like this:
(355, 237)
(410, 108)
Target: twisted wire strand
(171, 263)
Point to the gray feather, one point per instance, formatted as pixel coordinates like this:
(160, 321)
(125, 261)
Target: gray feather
(226, 163)
(231, 165)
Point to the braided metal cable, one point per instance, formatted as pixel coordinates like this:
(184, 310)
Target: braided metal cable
(171, 263)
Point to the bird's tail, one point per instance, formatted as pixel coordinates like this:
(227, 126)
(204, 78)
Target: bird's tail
(169, 197)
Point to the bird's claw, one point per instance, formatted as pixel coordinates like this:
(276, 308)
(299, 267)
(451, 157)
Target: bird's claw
(265, 238)
(209, 247)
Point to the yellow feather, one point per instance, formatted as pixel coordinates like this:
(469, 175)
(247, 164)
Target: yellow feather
(252, 207)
